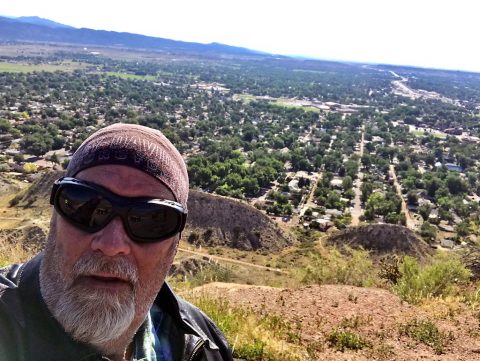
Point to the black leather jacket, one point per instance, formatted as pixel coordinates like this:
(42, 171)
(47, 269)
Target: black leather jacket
(28, 331)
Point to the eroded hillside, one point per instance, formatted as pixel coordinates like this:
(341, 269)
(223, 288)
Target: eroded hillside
(212, 220)
(383, 239)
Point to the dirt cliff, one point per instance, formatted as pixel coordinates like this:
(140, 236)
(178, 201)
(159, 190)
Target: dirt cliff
(224, 221)
(383, 239)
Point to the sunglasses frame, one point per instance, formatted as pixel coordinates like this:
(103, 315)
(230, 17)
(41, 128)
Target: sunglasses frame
(120, 207)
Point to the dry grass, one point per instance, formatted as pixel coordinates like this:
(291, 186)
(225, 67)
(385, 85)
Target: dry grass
(13, 253)
(252, 337)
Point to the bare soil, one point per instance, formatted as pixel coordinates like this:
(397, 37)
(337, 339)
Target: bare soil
(374, 314)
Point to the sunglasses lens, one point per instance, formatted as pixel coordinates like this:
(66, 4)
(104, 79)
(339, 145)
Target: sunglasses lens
(153, 222)
(91, 208)
(84, 207)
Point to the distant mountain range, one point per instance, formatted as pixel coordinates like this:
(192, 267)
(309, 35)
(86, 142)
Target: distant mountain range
(35, 29)
(40, 21)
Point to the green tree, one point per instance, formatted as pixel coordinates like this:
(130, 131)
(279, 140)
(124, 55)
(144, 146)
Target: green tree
(347, 183)
(428, 231)
(424, 210)
(463, 229)
(412, 197)
(455, 184)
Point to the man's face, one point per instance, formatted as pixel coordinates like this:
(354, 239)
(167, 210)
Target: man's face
(99, 285)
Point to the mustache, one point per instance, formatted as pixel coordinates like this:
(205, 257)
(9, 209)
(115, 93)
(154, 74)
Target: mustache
(97, 263)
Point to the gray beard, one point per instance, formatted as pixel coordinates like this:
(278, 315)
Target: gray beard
(92, 316)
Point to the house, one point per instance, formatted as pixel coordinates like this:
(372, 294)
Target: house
(293, 185)
(321, 224)
(333, 212)
(12, 152)
(433, 216)
(337, 183)
(450, 166)
(454, 167)
(454, 131)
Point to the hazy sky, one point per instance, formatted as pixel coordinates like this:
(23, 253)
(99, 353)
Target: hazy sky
(439, 34)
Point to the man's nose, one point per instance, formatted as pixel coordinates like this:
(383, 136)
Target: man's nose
(112, 240)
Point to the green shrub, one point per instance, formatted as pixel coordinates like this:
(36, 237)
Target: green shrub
(252, 351)
(355, 267)
(438, 279)
(426, 332)
(346, 340)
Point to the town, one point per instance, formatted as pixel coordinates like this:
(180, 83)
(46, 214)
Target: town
(311, 148)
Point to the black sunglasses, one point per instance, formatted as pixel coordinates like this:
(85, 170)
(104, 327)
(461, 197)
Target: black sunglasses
(90, 208)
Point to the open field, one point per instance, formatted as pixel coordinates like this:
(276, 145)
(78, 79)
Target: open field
(281, 102)
(28, 67)
(421, 133)
(131, 76)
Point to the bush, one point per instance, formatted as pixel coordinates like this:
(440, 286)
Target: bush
(342, 221)
(354, 268)
(193, 238)
(18, 158)
(346, 340)
(65, 163)
(428, 232)
(30, 168)
(390, 268)
(426, 332)
(438, 279)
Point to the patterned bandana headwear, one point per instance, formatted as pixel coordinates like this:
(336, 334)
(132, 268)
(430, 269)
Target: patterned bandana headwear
(135, 146)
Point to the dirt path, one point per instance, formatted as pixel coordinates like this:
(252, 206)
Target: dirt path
(357, 210)
(310, 203)
(410, 222)
(230, 260)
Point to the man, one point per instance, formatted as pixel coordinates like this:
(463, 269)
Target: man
(97, 292)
